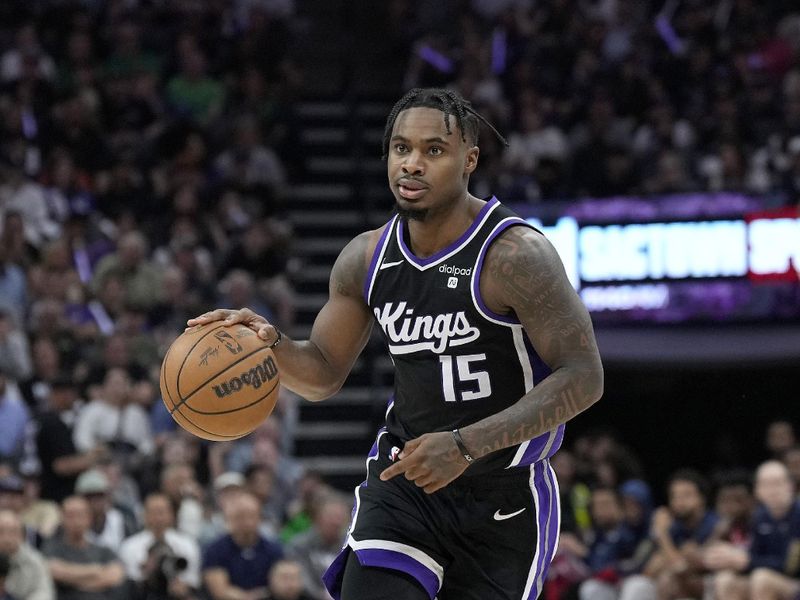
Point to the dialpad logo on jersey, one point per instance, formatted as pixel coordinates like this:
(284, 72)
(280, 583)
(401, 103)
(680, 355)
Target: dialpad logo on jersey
(451, 270)
(409, 333)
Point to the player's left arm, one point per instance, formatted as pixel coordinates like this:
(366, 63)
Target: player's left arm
(524, 275)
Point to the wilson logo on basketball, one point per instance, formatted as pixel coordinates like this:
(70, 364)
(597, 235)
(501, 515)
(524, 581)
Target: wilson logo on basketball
(255, 377)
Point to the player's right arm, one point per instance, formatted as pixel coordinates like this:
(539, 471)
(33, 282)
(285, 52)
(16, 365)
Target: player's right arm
(316, 368)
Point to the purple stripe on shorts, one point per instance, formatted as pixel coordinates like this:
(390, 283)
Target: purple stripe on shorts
(332, 577)
(374, 262)
(547, 523)
(392, 559)
(476, 278)
(421, 262)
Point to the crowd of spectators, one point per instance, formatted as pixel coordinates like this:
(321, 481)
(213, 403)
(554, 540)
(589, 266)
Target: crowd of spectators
(617, 97)
(145, 154)
(727, 534)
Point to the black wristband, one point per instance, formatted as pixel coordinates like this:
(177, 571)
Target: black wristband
(461, 446)
(277, 339)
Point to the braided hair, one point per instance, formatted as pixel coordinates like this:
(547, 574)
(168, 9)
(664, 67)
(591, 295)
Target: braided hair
(447, 101)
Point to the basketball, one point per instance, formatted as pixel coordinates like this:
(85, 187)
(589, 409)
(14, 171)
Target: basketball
(218, 382)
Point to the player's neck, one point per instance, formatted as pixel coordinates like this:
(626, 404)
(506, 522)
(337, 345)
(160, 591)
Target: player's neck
(442, 228)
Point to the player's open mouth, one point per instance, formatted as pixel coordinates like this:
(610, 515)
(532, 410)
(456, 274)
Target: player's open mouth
(410, 189)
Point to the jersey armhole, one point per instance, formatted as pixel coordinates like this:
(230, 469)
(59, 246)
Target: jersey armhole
(475, 286)
(377, 257)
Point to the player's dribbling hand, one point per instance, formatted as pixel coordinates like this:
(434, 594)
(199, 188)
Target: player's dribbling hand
(263, 328)
(431, 461)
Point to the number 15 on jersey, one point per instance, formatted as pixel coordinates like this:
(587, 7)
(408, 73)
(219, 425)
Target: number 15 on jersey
(464, 369)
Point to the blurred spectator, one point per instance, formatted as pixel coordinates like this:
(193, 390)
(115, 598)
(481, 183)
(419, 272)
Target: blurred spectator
(237, 564)
(81, 569)
(27, 53)
(252, 167)
(775, 534)
(679, 530)
(38, 514)
(180, 486)
(15, 358)
(610, 542)
(141, 280)
(260, 481)
(316, 548)
(226, 486)
(61, 463)
(791, 458)
(286, 582)
(637, 506)
(114, 420)
(152, 557)
(46, 368)
(14, 418)
(28, 577)
(13, 286)
(780, 437)
(193, 92)
(13, 498)
(261, 251)
(109, 525)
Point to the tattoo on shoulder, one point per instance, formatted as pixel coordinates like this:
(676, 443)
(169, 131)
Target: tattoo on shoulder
(350, 268)
(523, 275)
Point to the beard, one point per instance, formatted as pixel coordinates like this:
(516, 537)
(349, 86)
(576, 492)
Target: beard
(411, 214)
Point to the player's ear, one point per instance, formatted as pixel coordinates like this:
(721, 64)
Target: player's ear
(471, 160)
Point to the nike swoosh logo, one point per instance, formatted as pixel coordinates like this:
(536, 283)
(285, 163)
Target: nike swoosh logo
(501, 517)
(391, 264)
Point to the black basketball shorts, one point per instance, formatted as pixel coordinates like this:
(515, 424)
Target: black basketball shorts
(483, 537)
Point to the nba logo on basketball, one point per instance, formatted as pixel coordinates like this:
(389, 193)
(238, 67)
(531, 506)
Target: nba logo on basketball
(452, 282)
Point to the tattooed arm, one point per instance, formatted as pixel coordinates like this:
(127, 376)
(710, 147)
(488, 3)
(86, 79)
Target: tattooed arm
(316, 368)
(524, 275)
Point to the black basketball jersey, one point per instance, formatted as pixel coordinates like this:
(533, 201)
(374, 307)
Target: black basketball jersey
(455, 360)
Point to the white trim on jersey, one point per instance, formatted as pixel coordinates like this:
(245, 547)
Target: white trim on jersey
(476, 271)
(379, 262)
(476, 228)
(415, 553)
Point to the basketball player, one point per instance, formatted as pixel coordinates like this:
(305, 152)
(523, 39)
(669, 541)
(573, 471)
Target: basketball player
(493, 352)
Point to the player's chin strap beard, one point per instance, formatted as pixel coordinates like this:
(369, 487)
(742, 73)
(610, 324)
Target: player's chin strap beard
(411, 214)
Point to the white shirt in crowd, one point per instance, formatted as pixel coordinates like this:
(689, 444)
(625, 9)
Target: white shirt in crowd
(133, 554)
(99, 423)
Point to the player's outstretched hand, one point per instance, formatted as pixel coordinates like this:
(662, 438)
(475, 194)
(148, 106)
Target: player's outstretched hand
(431, 461)
(265, 330)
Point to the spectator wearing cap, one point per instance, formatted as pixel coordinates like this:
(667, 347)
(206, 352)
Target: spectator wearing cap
(28, 576)
(12, 497)
(109, 526)
(226, 487)
(159, 532)
(61, 463)
(637, 504)
(237, 564)
(81, 569)
(14, 418)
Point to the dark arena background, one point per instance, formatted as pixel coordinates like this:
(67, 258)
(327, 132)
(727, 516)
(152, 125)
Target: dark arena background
(159, 158)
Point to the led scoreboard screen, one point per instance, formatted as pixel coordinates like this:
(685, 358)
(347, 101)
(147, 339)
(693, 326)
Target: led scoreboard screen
(688, 258)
